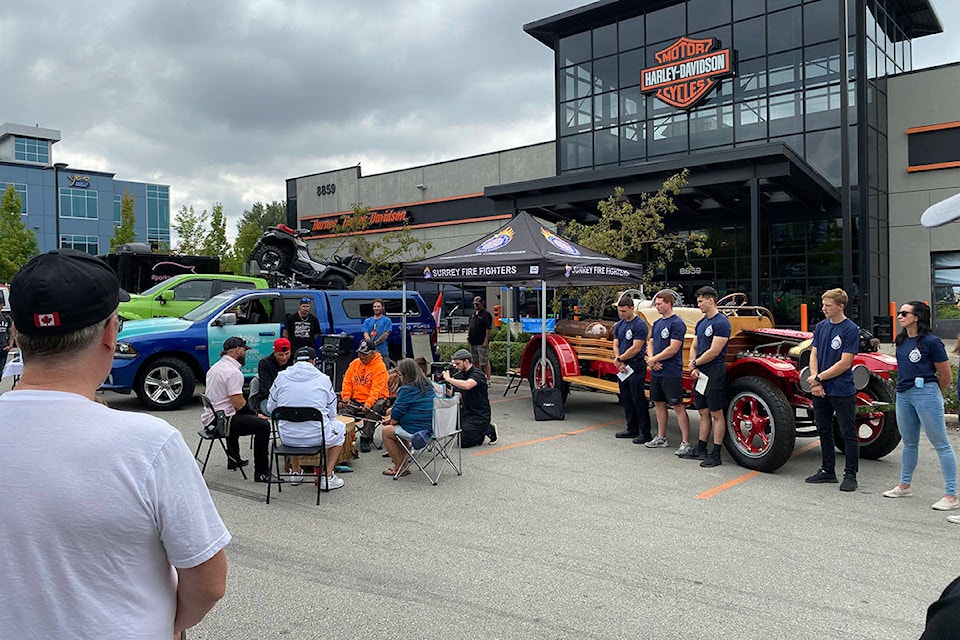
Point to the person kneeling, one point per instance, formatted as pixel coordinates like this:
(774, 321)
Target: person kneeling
(303, 385)
(411, 413)
(471, 382)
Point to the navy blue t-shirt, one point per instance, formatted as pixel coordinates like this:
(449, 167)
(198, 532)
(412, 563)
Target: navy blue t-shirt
(708, 328)
(626, 332)
(665, 330)
(832, 341)
(916, 358)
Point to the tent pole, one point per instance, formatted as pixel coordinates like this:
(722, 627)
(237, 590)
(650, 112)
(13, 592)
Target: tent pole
(403, 321)
(543, 329)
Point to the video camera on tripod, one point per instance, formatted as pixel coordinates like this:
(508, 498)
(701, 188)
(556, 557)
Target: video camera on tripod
(437, 369)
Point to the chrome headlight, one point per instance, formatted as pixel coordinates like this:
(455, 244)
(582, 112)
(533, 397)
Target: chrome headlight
(125, 350)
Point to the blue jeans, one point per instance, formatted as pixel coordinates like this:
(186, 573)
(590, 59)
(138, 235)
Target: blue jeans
(924, 407)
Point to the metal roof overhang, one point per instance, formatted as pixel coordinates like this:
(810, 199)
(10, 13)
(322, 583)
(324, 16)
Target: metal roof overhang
(917, 18)
(717, 192)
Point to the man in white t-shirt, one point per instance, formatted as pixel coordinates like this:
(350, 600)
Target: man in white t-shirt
(119, 538)
(303, 385)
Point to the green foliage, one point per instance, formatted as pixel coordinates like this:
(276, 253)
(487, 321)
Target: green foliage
(247, 236)
(634, 232)
(264, 216)
(124, 232)
(498, 354)
(18, 244)
(215, 243)
(947, 312)
(191, 231)
(386, 253)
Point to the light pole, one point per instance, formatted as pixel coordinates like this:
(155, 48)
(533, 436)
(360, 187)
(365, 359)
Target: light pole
(57, 167)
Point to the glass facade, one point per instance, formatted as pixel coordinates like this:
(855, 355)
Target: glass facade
(31, 150)
(117, 204)
(789, 89)
(21, 190)
(89, 244)
(158, 214)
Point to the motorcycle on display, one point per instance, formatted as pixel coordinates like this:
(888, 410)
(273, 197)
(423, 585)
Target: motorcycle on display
(285, 261)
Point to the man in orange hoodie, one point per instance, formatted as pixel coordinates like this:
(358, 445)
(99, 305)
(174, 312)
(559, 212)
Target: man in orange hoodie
(364, 393)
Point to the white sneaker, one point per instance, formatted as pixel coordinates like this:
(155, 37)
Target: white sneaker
(332, 482)
(946, 505)
(657, 443)
(897, 492)
(296, 477)
(685, 447)
(953, 519)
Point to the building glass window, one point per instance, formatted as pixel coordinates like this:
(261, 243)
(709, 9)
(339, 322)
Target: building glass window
(785, 71)
(668, 23)
(946, 284)
(784, 30)
(576, 116)
(822, 64)
(575, 48)
(606, 109)
(631, 33)
(117, 208)
(576, 81)
(605, 74)
(703, 14)
(633, 141)
(31, 150)
(668, 134)
(823, 154)
(632, 105)
(822, 107)
(750, 38)
(158, 214)
(87, 244)
(605, 147)
(21, 190)
(711, 126)
(786, 113)
(631, 65)
(78, 203)
(821, 21)
(605, 40)
(751, 120)
(747, 8)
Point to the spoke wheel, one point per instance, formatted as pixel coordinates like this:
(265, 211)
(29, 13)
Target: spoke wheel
(547, 373)
(760, 426)
(166, 383)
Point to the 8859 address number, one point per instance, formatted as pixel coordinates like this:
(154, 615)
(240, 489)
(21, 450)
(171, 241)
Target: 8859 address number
(326, 189)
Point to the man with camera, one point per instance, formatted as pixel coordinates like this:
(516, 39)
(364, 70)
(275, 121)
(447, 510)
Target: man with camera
(474, 402)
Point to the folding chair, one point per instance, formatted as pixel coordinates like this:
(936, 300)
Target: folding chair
(278, 449)
(215, 430)
(514, 380)
(434, 452)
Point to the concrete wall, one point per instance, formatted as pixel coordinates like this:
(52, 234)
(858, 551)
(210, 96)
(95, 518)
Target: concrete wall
(913, 100)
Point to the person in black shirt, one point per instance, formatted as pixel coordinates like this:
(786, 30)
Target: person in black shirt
(267, 370)
(478, 335)
(302, 328)
(474, 402)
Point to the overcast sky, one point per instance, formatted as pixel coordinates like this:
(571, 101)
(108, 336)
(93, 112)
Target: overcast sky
(225, 99)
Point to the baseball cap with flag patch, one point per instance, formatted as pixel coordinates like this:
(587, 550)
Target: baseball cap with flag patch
(63, 291)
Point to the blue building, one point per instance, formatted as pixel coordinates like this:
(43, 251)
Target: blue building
(79, 206)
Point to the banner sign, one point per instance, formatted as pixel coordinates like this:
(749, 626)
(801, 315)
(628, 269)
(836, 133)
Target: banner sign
(688, 70)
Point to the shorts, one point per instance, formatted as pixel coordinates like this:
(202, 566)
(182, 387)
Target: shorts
(715, 395)
(480, 355)
(402, 433)
(669, 390)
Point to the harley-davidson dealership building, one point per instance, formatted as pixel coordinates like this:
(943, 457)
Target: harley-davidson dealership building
(813, 149)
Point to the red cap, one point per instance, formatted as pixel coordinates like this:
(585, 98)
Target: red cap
(281, 344)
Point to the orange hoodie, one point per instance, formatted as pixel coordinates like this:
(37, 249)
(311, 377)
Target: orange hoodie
(365, 383)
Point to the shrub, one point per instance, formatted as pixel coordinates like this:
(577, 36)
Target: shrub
(498, 354)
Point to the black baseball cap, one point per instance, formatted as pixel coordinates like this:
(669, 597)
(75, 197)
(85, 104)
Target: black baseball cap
(366, 346)
(305, 354)
(63, 291)
(233, 342)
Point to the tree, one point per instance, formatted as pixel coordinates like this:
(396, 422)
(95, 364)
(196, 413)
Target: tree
(264, 215)
(247, 236)
(18, 244)
(635, 232)
(386, 253)
(124, 232)
(215, 241)
(190, 231)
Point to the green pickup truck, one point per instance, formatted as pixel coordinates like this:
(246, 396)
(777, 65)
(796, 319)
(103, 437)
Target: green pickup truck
(176, 296)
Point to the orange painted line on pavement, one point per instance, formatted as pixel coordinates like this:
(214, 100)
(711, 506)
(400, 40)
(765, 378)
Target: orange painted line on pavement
(709, 493)
(509, 399)
(545, 439)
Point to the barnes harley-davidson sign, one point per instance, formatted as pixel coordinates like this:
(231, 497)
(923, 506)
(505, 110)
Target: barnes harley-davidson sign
(687, 71)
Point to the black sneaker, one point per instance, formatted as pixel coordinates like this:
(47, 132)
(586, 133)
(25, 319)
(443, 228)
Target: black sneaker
(626, 433)
(233, 464)
(365, 445)
(849, 484)
(642, 439)
(821, 477)
(268, 477)
(494, 433)
(712, 459)
(693, 454)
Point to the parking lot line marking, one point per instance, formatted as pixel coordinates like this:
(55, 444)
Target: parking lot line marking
(709, 493)
(546, 439)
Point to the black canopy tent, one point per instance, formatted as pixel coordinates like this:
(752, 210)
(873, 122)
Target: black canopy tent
(523, 252)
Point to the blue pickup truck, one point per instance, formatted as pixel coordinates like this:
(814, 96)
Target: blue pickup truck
(162, 359)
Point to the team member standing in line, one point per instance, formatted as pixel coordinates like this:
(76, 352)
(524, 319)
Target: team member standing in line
(665, 359)
(629, 345)
(708, 353)
(836, 339)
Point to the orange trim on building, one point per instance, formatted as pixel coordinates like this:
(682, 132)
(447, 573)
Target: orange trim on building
(932, 167)
(505, 216)
(394, 206)
(933, 127)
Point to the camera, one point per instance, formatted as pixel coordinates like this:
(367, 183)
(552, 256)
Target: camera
(437, 369)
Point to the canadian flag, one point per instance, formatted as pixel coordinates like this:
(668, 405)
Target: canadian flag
(436, 309)
(46, 319)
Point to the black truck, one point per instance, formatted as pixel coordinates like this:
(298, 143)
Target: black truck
(138, 268)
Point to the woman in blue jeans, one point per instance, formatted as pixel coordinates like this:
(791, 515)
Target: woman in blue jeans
(923, 373)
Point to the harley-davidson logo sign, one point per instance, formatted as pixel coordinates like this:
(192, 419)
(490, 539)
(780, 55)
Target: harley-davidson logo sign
(687, 71)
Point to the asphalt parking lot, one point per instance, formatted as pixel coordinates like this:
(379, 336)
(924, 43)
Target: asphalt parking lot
(561, 531)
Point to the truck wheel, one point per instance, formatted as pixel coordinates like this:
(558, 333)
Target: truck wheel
(877, 430)
(549, 375)
(271, 257)
(165, 383)
(760, 426)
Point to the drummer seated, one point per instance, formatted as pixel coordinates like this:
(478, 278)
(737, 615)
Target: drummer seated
(303, 385)
(412, 412)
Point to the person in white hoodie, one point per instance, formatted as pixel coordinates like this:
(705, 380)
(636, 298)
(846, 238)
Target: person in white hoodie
(303, 385)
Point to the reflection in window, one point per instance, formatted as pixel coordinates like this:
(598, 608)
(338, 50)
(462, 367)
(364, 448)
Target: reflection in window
(823, 107)
(747, 8)
(783, 30)
(632, 64)
(606, 109)
(821, 21)
(576, 151)
(605, 146)
(786, 113)
(633, 141)
(576, 81)
(751, 79)
(632, 104)
(750, 38)
(605, 40)
(666, 24)
(87, 244)
(78, 203)
(822, 64)
(21, 190)
(785, 71)
(575, 48)
(711, 127)
(823, 154)
(751, 120)
(576, 116)
(605, 74)
(631, 33)
(668, 134)
(31, 150)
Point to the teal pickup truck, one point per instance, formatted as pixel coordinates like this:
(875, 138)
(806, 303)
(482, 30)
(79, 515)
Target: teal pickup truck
(176, 296)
